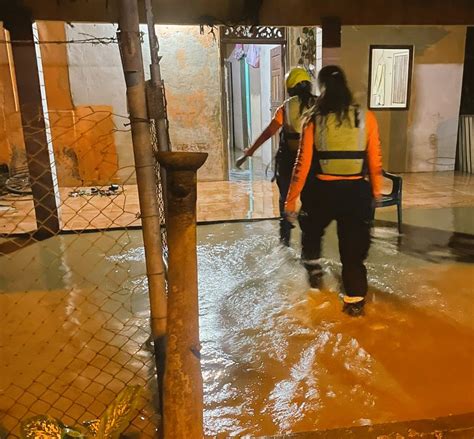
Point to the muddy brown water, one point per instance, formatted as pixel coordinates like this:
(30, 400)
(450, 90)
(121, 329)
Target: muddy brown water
(276, 358)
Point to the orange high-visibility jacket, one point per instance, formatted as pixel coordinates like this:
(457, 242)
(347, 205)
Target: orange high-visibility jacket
(305, 157)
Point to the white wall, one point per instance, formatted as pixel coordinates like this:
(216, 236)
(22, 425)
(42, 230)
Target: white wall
(96, 78)
(433, 132)
(191, 70)
(424, 137)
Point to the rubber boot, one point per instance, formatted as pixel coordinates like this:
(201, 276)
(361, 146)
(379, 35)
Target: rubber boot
(314, 272)
(285, 232)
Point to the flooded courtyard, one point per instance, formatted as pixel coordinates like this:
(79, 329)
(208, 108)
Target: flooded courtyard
(276, 357)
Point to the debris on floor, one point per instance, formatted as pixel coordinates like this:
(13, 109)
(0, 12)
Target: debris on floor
(113, 189)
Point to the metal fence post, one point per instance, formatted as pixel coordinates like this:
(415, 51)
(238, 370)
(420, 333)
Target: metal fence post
(130, 49)
(183, 394)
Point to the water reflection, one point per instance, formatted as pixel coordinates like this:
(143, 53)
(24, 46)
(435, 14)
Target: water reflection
(434, 245)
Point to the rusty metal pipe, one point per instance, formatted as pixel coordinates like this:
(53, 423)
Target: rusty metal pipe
(130, 50)
(183, 394)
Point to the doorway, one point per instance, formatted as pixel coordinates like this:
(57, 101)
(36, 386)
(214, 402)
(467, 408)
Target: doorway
(254, 88)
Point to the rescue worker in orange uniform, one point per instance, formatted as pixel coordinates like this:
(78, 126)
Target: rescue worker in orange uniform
(288, 118)
(343, 140)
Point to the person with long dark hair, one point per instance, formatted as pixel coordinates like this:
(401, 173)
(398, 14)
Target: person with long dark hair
(342, 142)
(288, 118)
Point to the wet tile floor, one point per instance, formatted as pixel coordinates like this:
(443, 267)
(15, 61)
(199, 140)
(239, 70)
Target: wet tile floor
(221, 201)
(276, 359)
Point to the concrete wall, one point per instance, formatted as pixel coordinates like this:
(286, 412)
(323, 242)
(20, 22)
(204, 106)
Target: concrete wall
(190, 69)
(294, 51)
(424, 137)
(82, 127)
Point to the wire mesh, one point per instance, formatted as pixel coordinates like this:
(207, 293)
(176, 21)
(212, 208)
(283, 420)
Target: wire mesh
(74, 307)
(159, 190)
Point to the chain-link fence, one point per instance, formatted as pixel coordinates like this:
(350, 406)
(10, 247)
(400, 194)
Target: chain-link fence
(74, 307)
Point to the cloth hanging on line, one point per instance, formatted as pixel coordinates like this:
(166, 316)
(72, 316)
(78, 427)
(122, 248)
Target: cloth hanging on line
(238, 52)
(253, 56)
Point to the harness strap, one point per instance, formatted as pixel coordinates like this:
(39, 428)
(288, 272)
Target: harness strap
(335, 155)
(292, 136)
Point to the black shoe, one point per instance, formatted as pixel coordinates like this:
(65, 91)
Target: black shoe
(354, 309)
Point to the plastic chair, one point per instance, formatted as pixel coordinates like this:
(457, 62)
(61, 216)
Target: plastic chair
(394, 198)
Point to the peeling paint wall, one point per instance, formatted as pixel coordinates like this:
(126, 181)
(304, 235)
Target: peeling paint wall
(191, 71)
(87, 106)
(424, 137)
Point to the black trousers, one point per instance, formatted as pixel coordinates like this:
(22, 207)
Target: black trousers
(285, 161)
(350, 203)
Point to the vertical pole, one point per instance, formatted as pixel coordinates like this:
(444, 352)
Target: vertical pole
(39, 153)
(156, 97)
(331, 51)
(183, 399)
(155, 73)
(130, 49)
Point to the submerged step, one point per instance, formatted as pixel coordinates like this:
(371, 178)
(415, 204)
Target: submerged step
(448, 427)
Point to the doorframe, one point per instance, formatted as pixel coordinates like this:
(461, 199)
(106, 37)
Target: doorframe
(243, 34)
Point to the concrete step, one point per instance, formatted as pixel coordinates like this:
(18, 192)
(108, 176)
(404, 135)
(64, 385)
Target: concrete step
(449, 427)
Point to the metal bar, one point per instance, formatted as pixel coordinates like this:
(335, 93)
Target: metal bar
(39, 153)
(157, 98)
(183, 394)
(130, 49)
(156, 80)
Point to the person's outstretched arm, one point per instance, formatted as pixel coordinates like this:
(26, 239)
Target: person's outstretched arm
(300, 170)
(275, 124)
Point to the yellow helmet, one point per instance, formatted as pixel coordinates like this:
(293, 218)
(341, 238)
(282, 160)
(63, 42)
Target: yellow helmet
(295, 76)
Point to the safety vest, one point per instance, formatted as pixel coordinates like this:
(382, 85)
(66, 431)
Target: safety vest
(292, 123)
(340, 148)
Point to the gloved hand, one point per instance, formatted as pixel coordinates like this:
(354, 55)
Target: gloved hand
(240, 161)
(291, 216)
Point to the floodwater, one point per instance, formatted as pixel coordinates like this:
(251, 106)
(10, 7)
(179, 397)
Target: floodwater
(275, 357)
(278, 358)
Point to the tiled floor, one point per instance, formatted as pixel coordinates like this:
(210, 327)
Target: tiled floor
(219, 201)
